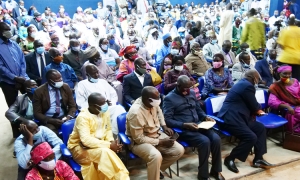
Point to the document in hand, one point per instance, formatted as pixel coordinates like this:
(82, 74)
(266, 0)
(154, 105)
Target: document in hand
(206, 124)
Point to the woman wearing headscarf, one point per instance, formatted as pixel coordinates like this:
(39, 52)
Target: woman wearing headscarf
(189, 39)
(45, 166)
(127, 65)
(285, 95)
(218, 79)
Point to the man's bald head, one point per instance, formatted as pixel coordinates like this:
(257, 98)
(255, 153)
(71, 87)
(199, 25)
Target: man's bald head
(95, 98)
(91, 67)
(252, 76)
(183, 80)
(149, 93)
(74, 43)
(54, 52)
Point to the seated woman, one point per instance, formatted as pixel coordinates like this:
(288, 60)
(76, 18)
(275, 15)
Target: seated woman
(127, 66)
(27, 43)
(218, 79)
(175, 49)
(45, 166)
(172, 75)
(285, 94)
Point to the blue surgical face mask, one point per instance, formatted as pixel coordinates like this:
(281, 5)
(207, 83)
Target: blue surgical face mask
(245, 65)
(37, 135)
(169, 44)
(40, 50)
(104, 108)
(182, 34)
(214, 41)
(92, 80)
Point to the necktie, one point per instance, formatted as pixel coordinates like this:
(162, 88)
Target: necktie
(57, 103)
(42, 64)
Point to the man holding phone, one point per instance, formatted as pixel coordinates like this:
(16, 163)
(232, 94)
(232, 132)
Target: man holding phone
(182, 110)
(143, 123)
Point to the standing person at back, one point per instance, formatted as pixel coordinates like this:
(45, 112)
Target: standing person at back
(254, 32)
(12, 65)
(288, 40)
(226, 24)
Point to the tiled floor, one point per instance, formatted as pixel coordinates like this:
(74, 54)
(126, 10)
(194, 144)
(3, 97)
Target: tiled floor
(187, 164)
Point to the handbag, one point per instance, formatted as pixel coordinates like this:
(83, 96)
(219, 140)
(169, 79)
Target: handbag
(292, 140)
(156, 79)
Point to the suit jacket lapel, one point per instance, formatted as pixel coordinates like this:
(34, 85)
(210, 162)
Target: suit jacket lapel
(35, 64)
(146, 79)
(47, 95)
(137, 79)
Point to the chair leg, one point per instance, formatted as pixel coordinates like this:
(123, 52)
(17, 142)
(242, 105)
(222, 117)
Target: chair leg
(177, 164)
(170, 172)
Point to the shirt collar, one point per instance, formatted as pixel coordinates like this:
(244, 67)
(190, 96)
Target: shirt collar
(2, 42)
(138, 74)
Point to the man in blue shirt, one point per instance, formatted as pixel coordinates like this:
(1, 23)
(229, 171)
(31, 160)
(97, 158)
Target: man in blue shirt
(165, 49)
(12, 65)
(32, 135)
(66, 71)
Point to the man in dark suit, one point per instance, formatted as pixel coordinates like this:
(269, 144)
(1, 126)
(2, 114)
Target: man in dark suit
(75, 58)
(182, 110)
(238, 112)
(134, 83)
(53, 102)
(265, 67)
(36, 61)
(37, 21)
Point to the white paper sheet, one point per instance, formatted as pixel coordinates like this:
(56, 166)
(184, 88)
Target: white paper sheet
(260, 96)
(217, 103)
(206, 124)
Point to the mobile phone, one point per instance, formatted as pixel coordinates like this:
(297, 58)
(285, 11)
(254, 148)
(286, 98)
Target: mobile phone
(175, 136)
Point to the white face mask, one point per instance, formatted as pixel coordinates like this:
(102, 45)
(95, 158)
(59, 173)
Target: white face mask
(155, 102)
(76, 48)
(104, 47)
(178, 68)
(174, 51)
(137, 45)
(33, 35)
(58, 84)
(248, 50)
(50, 165)
(192, 41)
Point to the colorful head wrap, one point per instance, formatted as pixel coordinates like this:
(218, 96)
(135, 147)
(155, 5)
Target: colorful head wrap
(165, 36)
(284, 68)
(127, 50)
(176, 44)
(40, 152)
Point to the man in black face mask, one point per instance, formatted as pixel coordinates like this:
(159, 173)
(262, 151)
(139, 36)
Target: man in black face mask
(202, 39)
(182, 110)
(134, 83)
(229, 57)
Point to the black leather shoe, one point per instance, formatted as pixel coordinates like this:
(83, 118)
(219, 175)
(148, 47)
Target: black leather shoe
(261, 163)
(217, 176)
(161, 176)
(230, 165)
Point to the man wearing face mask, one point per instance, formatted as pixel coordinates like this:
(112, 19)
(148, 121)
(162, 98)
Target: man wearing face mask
(12, 65)
(53, 102)
(134, 82)
(154, 42)
(142, 52)
(195, 61)
(10, 5)
(17, 11)
(239, 69)
(112, 43)
(37, 21)
(55, 43)
(22, 109)
(238, 112)
(202, 39)
(245, 48)
(182, 110)
(32, 134)
(92, 141)
(75, 58)
(229, 57)
(37, 61)
(94, 84)
(265, 67)
(165, 49)
(13, 28)
(210, 49)
(273, 19)
(66, 71)
(144, 120)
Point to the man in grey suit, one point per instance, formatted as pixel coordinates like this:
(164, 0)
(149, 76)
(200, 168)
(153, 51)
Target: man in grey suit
(75, 58)
(229, 57)
(22, 109)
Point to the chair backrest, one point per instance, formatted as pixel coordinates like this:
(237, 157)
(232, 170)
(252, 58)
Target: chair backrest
(67, 129)
(262, 97)
(214, 104)
(201, 82)
(121, 120)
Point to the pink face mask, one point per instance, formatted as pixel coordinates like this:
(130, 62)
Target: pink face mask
(217, 65)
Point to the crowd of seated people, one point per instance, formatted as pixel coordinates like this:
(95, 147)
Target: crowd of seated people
(100, 63)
